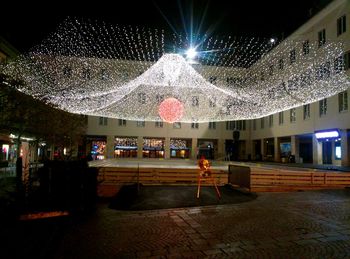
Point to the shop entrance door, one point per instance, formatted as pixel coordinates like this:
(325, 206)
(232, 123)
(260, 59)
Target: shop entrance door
(327, 152)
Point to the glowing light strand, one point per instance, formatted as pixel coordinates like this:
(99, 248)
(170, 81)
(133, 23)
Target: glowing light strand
(104, 76)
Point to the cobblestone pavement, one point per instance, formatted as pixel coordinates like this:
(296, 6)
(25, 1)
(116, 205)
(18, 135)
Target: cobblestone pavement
(313, 224)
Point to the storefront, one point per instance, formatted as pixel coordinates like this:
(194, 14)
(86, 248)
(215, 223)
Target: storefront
(180, 148)
(305, 149)
(153, 148)
(125, 147)
(330, 142)
(97, 147)
(206, 148)
(7, 150)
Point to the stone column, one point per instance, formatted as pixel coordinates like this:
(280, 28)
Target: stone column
(249, 148)
(277, 149)
(263, 148)
(344, 147)
(221, 148)
(167, 148)
(139, 146)
(52, 151)
(295, 147)
(110, 147)
(194, 149)
(33, 152)
(316, 151)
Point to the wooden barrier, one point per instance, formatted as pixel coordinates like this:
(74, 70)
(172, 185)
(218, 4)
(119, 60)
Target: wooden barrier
(239, 175)
(153, 176)
(272, 179)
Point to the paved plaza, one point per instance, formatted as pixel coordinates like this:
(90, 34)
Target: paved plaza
(312, 224)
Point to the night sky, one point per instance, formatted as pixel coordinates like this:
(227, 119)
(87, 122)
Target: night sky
(26, 25)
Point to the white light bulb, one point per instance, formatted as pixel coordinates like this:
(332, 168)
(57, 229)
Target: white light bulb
(191, 53)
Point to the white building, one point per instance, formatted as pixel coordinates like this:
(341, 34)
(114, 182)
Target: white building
(274, 138)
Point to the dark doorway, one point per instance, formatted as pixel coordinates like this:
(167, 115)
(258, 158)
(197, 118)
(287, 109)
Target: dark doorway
(257, 150)
(206, 148)
(229, 146)
(305, 152)
(269, 149)
(327, 152)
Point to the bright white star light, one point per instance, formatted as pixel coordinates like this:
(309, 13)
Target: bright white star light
(191, 53)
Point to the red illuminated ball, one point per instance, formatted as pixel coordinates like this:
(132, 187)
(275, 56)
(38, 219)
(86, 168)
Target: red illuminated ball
(171, 110)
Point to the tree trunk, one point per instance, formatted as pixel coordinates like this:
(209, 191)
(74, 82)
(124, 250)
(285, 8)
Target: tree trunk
(19, 166)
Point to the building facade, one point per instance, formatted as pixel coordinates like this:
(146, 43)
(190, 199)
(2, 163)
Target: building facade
(293, 131)
(286, 136)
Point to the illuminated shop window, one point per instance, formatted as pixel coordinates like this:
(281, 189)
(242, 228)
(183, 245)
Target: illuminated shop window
(337, 152)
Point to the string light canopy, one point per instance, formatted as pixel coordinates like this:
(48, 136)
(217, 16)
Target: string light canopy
(137, 73)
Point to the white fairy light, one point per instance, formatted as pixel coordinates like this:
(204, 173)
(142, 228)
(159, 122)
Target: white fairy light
(123, 72)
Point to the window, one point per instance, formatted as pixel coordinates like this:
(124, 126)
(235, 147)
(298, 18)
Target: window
(341, 25)
(306, 79)
(254, 124)
(262, 76)
(281, 64)
(142, 98)
(280, 118)
(86, 74)
(292, 56)
(177, 125)
(195, 101)
(306, 47)
(234, 81)
(122, 122)
(346, 60)
(321, 38)
(337, 151)
(159, 98)
(270, 120)
(104, 74)
(103, 121)
(230, 125)
(240, 125)
(125, 76)
(67, 71)
(212, 102)
(212, 79)
(293, 115)
(212, 125)
(159, 123)
(262, 123)
(306, 111)
(324, 71)
(140, 124)
(230, 81)
(339, 64)
(323, 107)
(343, 101)
(194, 124)
(293, 84)
(228, 109)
